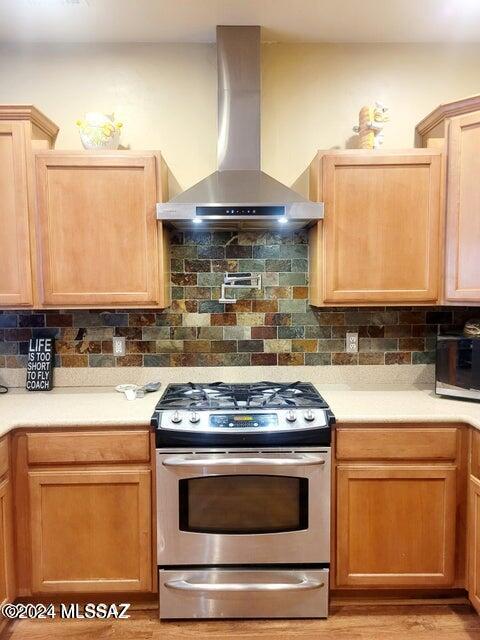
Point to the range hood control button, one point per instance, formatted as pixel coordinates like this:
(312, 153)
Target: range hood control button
(291, 417)
(309, 415)
(194, 417)
(176, 418)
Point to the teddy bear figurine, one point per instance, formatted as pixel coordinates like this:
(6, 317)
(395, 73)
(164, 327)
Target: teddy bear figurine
(371, 120)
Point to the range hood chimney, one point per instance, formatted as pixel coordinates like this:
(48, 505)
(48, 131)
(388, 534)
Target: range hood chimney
(239, 194)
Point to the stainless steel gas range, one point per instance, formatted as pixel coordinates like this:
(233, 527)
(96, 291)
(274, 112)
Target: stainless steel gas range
(243, 500)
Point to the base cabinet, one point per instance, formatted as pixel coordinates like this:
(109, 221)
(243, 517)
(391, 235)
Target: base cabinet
(91, 530)
(396, 525)
(7, 589)
(474, 543)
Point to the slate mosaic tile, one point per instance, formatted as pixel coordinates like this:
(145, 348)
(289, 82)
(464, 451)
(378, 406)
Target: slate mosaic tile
(278, 265)
(264, 359)
(196, 346)
(159, 333)
(197, 330)
(291, 359)
(344, 358)
(157, 360)
(169, 346)
(132, 333)
(411, 344)
(423, 357)
(210, 333)
(100, 360)
(221, 319)
(184, 279)
(211, 252)
(197, 265)
(236, 333)
(318, 359)
(278, 346)
(292, 306)
(30, 320)
(398, 357)
(291, 332)
(318, 331)
(370, 357)
(53, 319)
(8, 320)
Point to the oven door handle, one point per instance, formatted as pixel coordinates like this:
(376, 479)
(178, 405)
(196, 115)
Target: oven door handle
(194, 461)
(305, 584)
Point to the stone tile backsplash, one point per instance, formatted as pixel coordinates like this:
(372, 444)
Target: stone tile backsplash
(273, 326)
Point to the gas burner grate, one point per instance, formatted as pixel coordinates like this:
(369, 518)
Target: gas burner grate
(258, 395)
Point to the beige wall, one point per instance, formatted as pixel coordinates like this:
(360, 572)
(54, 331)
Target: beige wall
(166, 94)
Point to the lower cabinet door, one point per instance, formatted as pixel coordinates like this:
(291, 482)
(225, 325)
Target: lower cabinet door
(396, 526)
(474, 543)
(91, 530)
(6, 545)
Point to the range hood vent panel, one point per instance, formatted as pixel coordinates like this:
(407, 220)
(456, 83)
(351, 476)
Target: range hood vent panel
(239, 189)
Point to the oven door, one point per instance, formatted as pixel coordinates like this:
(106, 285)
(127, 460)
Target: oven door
(243, 507)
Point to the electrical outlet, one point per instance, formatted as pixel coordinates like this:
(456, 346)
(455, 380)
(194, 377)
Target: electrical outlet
(118, 346)
(352, 342)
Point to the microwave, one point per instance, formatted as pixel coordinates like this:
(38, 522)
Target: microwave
(457, 370)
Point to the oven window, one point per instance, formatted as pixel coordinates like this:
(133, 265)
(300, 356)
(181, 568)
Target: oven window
(242, 504)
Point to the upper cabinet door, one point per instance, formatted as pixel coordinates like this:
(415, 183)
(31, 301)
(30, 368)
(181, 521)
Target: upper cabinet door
(381, 227)
(462, 268)
(99, 242)
(16, 280)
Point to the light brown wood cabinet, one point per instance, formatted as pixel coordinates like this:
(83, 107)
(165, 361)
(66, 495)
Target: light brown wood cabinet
(99, 240)
(379, 240)
(396, 525)
(455, 128)
(7, 578)
(91, 530)
(400, 513)
(473, 541)
(22, 129)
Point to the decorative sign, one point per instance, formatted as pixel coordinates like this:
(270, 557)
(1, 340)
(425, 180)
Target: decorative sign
(40, 364)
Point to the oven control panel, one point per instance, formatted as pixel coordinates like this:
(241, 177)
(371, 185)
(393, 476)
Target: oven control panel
(239, 420)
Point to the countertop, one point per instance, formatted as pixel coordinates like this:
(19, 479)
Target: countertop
(97, 406)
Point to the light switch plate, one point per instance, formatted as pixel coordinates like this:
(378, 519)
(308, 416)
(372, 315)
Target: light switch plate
(352, 342)
(118, 346)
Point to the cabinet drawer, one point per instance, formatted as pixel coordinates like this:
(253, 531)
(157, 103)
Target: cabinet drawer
(3, 456)
(396, 443)
(94, 448)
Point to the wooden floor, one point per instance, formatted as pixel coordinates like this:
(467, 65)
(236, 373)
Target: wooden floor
(349, 622)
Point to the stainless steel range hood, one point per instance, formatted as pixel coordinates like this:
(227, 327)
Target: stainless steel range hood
(239, 194)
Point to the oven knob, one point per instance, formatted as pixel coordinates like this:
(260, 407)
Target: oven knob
(194, 417)
(309, 415)
(176, 418)
(291, 417)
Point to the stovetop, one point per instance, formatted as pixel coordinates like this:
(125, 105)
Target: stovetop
(258, 395)
(262, 413)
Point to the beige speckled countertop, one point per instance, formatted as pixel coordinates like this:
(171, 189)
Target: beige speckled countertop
(83, 406)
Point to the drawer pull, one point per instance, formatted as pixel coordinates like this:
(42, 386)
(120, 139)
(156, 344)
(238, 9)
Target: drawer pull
(305, 584)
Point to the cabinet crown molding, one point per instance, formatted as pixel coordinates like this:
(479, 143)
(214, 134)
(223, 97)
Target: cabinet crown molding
(29, 112)
(447, 110)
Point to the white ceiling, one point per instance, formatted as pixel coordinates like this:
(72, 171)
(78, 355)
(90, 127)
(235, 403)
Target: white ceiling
(283, 20)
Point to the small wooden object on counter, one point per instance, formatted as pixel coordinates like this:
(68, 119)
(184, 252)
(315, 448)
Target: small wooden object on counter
(99, 241)
(379, 240)
(22, 130)
(456, 126)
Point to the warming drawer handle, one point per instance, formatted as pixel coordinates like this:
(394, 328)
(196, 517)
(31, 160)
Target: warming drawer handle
(306, 584)
(184, 461)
